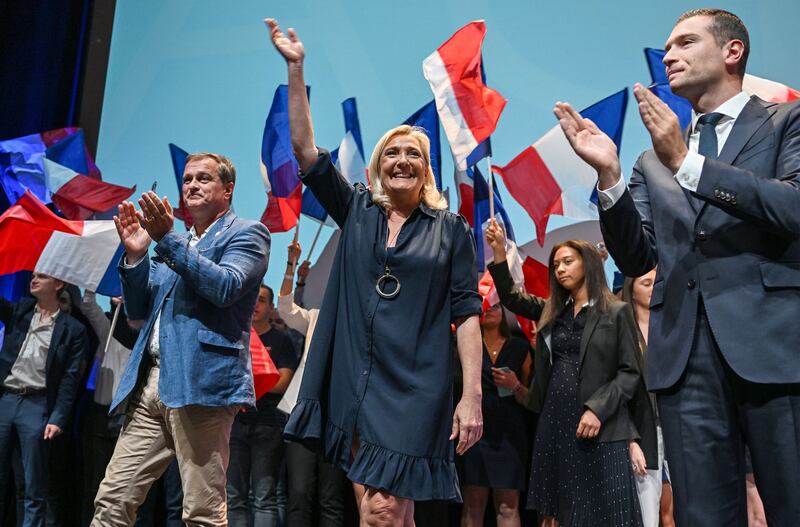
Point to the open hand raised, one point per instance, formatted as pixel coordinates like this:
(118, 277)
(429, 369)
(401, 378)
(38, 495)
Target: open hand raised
(132, 235)
(288, 45)
(588, 141)
(496, 239)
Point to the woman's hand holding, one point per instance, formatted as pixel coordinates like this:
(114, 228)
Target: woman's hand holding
(288, 45)
(588, 426)
(496, 239)
(505, 379)
(294, 252)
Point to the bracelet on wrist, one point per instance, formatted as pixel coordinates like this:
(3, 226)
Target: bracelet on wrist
(290, 263)
(300, 284)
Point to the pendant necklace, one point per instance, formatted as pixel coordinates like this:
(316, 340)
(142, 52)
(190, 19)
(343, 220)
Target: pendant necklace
(387, 275)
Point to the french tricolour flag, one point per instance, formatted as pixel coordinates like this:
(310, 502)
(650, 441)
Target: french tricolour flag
(178, 156)
(548, 177)
(763, 88)
(427, 119)
(77, 195)
(84, 253)
(468, 109)
(279, 167)
(22, 166)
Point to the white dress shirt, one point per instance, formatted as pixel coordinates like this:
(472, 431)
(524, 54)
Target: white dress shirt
(688, 175)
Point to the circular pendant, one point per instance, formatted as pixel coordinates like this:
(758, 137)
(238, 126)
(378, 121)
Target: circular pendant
(386, 277)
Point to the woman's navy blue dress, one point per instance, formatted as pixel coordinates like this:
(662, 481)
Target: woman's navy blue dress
(382, 368)
(499, 460)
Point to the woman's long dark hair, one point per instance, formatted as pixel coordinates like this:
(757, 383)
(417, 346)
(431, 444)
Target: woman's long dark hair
(594, 278)
(504, 329)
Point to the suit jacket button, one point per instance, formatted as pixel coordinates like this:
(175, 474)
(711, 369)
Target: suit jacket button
(691, 283)
(701, 235)
(733, 200)
(716, 193)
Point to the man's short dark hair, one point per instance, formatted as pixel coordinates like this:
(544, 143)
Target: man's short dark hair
(225, 169)
(270, 291)
(725, 26)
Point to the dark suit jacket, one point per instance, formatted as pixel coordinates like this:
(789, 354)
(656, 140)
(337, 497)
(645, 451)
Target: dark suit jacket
(609, 375)
(63, 368)
(735, 243)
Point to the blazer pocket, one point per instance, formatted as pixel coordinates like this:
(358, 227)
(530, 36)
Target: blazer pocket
(780, 274)
(211, 338)
(657, 297)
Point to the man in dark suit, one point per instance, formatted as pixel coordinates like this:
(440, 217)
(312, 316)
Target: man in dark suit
(721, 218)
(40, 368)
(189, 372)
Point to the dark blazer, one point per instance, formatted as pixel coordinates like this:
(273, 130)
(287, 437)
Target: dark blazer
(735, 243)
(609, 375)
(63, 368)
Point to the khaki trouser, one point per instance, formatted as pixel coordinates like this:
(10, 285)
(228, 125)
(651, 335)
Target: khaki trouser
(151, 436)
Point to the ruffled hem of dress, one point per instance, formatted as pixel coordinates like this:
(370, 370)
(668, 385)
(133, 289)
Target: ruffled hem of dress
(402, 475)
(305, 422)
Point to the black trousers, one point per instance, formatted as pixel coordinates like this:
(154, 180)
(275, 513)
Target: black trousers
(313, 485)
(707, 418)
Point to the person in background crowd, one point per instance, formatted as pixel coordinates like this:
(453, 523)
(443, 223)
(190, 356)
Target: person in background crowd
(316, 489)
(257, 450)
(716, 208)
(404, 272)
(586, 373)
(189, 373)
(101, 430)
(40, 370)
(498, 461)
(653, 485)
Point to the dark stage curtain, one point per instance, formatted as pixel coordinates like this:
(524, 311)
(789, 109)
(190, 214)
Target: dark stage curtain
(42, 45)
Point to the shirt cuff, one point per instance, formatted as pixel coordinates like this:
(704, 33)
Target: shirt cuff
(126, 265)
(688, 175)
(610, 196)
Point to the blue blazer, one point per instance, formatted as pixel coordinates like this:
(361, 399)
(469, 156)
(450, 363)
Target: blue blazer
(68, 346)
(735, 244)
(206, 295)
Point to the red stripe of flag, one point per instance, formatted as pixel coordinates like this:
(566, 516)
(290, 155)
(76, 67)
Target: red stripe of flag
(530, 182)
(480, 105)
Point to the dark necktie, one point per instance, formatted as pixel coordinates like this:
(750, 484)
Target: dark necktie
(708, 134)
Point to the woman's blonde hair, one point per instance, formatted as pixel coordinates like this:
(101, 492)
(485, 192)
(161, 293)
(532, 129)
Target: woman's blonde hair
(429, 194)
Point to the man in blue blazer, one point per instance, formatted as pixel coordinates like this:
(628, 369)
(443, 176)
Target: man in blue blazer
(40, 370)
(717, 208)
(190, 371)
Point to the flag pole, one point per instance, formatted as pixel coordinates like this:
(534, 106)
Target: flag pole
(111, 329)
(490, 181)
(314, 243)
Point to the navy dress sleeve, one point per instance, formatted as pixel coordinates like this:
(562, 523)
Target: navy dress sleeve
(464, 298)
(330, 187)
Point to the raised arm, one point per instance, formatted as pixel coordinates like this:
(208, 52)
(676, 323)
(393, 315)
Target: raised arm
(518, 302)
(291, 49)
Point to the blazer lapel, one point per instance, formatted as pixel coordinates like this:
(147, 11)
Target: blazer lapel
(753, 117)
(55, 340)
(221, 226)
(588, 329)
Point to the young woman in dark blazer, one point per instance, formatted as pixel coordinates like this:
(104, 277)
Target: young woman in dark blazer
(586, 372)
